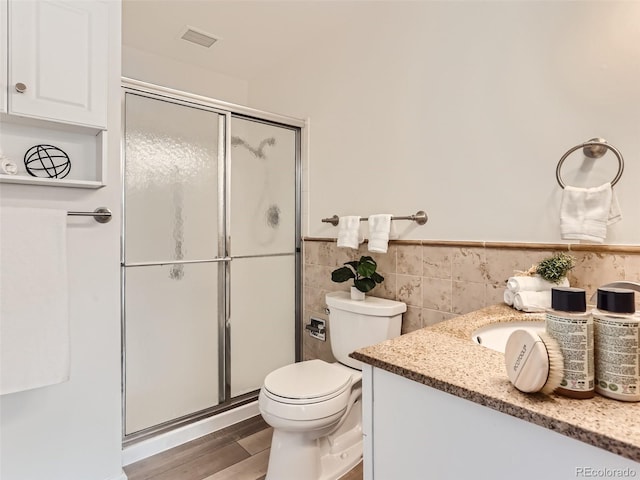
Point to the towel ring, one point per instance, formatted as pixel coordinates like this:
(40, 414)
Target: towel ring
(594, 148)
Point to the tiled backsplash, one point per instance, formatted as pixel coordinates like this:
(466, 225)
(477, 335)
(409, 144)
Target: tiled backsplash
(438, 281)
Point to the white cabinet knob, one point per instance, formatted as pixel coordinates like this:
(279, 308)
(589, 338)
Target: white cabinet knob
(21, 87)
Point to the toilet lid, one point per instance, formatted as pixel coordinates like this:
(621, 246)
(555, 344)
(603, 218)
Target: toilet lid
(311, 380)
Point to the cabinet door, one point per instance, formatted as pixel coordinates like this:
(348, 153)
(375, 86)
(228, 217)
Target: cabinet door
(3, 56)
(58, 57)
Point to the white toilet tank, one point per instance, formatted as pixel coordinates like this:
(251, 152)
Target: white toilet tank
(355, 324)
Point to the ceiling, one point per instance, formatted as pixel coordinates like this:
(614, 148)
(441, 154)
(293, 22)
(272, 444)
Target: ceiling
(255, 35)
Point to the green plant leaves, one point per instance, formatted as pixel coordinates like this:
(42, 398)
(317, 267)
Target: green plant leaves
(364, 284)
(376, 277)
(555, 268)
(342, 274)
(366, 266)
(363, 272)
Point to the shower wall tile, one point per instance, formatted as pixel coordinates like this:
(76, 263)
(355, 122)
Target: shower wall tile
(441, 282)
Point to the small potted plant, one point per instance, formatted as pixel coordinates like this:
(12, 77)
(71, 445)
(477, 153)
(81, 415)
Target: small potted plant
(555, 268)
(364, 275)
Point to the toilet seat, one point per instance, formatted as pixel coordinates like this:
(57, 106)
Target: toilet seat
(308, 382)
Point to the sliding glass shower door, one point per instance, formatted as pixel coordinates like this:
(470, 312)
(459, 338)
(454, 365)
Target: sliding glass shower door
(211, 258)
(263, 244)
(172, 260)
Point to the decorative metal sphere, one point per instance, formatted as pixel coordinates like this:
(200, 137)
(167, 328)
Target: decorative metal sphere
(47, 161)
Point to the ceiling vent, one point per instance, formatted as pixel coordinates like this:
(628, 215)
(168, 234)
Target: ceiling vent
(194, 35)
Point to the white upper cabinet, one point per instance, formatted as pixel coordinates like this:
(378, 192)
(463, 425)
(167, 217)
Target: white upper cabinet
(57, 52)
(3, 56)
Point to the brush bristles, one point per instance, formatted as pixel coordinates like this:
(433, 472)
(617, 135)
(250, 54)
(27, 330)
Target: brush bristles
(556, 363)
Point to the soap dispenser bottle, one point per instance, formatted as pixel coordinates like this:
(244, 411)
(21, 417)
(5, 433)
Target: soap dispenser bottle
(569, 323)
(617, 335)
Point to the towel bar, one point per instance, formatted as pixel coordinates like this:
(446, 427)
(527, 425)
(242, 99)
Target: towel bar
(594, 148)
(100, 214)
(420, 218)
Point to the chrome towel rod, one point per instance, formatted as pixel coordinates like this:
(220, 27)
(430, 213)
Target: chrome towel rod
(420, 218)
(100, 214)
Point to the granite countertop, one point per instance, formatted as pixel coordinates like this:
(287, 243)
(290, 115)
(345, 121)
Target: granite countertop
(444, 357)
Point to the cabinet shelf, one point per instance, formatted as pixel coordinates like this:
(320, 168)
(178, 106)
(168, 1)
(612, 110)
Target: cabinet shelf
(25, 180)
(86, 151)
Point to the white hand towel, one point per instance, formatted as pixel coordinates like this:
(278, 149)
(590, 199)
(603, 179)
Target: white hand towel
(34, 323)
(508, 297)
(586, 212)
(533, 283)
(532, 301)
(379, 232)
(615, 214)
(349, 232)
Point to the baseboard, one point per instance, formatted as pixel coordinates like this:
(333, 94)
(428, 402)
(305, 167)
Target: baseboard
(167, 440)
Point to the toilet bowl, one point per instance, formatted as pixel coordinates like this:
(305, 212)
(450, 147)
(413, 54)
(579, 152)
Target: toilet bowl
(314, 406)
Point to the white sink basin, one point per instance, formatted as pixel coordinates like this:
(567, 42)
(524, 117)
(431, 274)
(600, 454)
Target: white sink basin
(495, 336)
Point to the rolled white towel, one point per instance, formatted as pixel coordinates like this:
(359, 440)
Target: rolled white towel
(532, 301)
(533, 284)
(508, 297)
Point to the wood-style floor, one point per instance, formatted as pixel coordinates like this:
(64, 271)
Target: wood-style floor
(239, 452)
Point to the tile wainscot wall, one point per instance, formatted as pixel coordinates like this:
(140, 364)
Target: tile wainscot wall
(440, 280)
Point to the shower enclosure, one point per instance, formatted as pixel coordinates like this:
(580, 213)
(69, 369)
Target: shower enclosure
(210, 255)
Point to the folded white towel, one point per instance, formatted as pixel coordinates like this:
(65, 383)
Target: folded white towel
(508, 297)
(379, 232)
(615, 214)
(532, 301)
(34, 320)
(349, 232)
(533, 283)
(586, 212)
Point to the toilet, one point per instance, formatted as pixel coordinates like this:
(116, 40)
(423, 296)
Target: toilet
(315, 407)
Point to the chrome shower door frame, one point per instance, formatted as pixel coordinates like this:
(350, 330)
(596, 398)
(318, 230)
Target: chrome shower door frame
(226, 112)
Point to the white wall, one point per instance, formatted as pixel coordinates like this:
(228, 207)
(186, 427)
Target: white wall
(463, 109)
(167, 72)
(72, 431)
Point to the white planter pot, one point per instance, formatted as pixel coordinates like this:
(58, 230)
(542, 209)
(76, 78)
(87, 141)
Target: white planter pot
(356, 294)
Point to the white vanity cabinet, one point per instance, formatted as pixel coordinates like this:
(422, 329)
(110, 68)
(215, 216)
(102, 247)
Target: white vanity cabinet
(415, 432)
(54, 62)
(57, 61)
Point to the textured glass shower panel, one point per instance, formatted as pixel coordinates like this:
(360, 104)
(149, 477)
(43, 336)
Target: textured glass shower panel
(171, 163)
(262, 319)
(171, 337)
(263, 188)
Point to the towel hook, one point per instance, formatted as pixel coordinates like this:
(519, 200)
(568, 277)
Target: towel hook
(594, 148)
